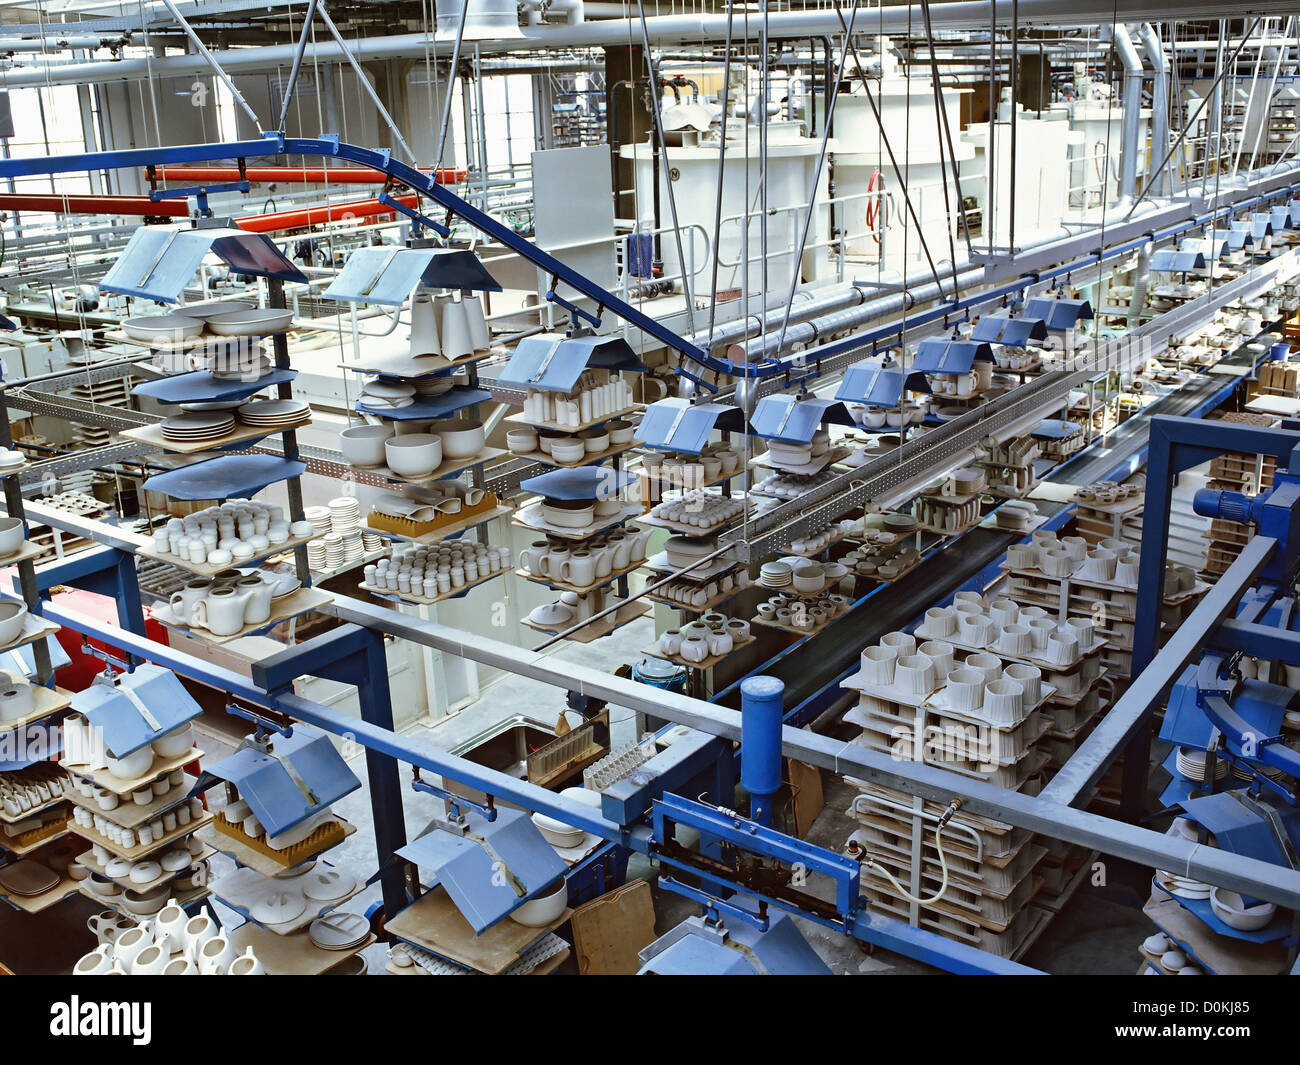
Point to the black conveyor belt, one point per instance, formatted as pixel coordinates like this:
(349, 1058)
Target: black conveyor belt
(817, 662)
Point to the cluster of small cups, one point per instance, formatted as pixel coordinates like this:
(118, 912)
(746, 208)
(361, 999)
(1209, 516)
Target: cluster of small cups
(435, 570)
(232, 532)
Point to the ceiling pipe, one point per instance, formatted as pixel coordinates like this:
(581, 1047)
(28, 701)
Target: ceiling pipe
(1159, 106)
(1131, 122)
(962, 14)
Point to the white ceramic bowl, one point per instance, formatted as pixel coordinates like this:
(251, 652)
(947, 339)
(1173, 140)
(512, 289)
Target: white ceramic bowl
(135, 764)
(161, 327)
(255, 321)
(461, 438)
(413, 454)
(543, 910)
(522, 441)
(1232, 910)
(12, 535)
(363, 445)
(576, 515)
(566, 450)
(13, 616)
(557, 833)
(175, 743)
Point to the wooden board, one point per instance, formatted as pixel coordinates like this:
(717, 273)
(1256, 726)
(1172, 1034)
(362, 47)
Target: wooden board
(445, 529)
(291, 955)
(589, 459)
(434, 923)
(603, 627)
(608, 932)
(153, 434)
(102, 778)
(141, 850)
(425, 600)
(302, 601)
(1217, 954)
(36, 903)
(255, 859)
(128, 813)
(46, 702)
(518, 419)
(211, 569)
(809, 800)
(26, 551)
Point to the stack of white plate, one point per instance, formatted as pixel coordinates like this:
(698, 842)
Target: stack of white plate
(1242, 772)
(243, 366)
(1182, 886)
(1191, 764)
(433, 386)
(320, 518)
(274, 413)
(353, 548)
(371, 542)
(775, 575)
(11, 459)
(316, 554)
(335, 554)
(345, 514)
(339, 930)
(391, 395)
(198, 425)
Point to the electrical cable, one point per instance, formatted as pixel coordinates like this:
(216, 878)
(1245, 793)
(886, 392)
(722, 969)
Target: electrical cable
(943, 865)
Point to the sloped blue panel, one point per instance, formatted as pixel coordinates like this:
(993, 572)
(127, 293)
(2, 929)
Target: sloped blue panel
(1237, 236)
(21, 660)
(678, 425)
(879, 386)
(941, 355)
(227, 477)
(203, 387)
(269, 787)
(793, 420)
(157, 704)
(1003, 329)
(1177, 261)
(489, 877)
(429, 407)
(551, 362)
(159, 261)
(1059, 314)
(1239, 828)
(1261, 225)
(387, 275)
(1281, 218)
(584, 482)
(8, 324)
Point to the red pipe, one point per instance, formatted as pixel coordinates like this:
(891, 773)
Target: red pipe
(51, 203)
(358, 210)
(291, 175)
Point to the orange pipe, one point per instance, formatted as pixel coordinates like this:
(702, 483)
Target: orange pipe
(294, 175)
(354, 210)
(53, 203)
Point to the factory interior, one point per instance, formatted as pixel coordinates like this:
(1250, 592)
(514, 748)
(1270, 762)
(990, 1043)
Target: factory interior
(650, 487)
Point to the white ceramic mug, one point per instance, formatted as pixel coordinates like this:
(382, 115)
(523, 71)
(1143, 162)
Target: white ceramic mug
(257, 602)
(247, 964)
(579, 568)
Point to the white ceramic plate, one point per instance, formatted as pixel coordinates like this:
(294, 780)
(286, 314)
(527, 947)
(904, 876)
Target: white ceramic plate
(339, 931)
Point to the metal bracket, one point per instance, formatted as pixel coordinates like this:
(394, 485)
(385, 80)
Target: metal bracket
(456, 802)
(411, 213)
(574, 310)
(715, 907)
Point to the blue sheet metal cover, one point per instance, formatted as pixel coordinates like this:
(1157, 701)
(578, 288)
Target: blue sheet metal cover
(278, 800)
(693, 955)
(794, 420)
(1177, 261)
(387, 276)
(427, 407)
(945, 356)
(1281, 218)
(585, 482)
(1240, 827)
(1261, 225)
(1055, 429)
(491, 870)
(879, 386)
(679, 425)
(1059, 314)
(21, 658)
(1003, 329)
(1185, 723)
(159, 261)
(8, 324)
(119, 717)
(227, 477)
(552, 362)
(202, 386)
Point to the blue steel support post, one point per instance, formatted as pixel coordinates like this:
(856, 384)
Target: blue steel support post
(350, 654)
(382, 771)
(760, 726)
(1174, 445)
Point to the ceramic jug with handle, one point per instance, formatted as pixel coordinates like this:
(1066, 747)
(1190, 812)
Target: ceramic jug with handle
(221, 613)
(637, 540)
(257, 602)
